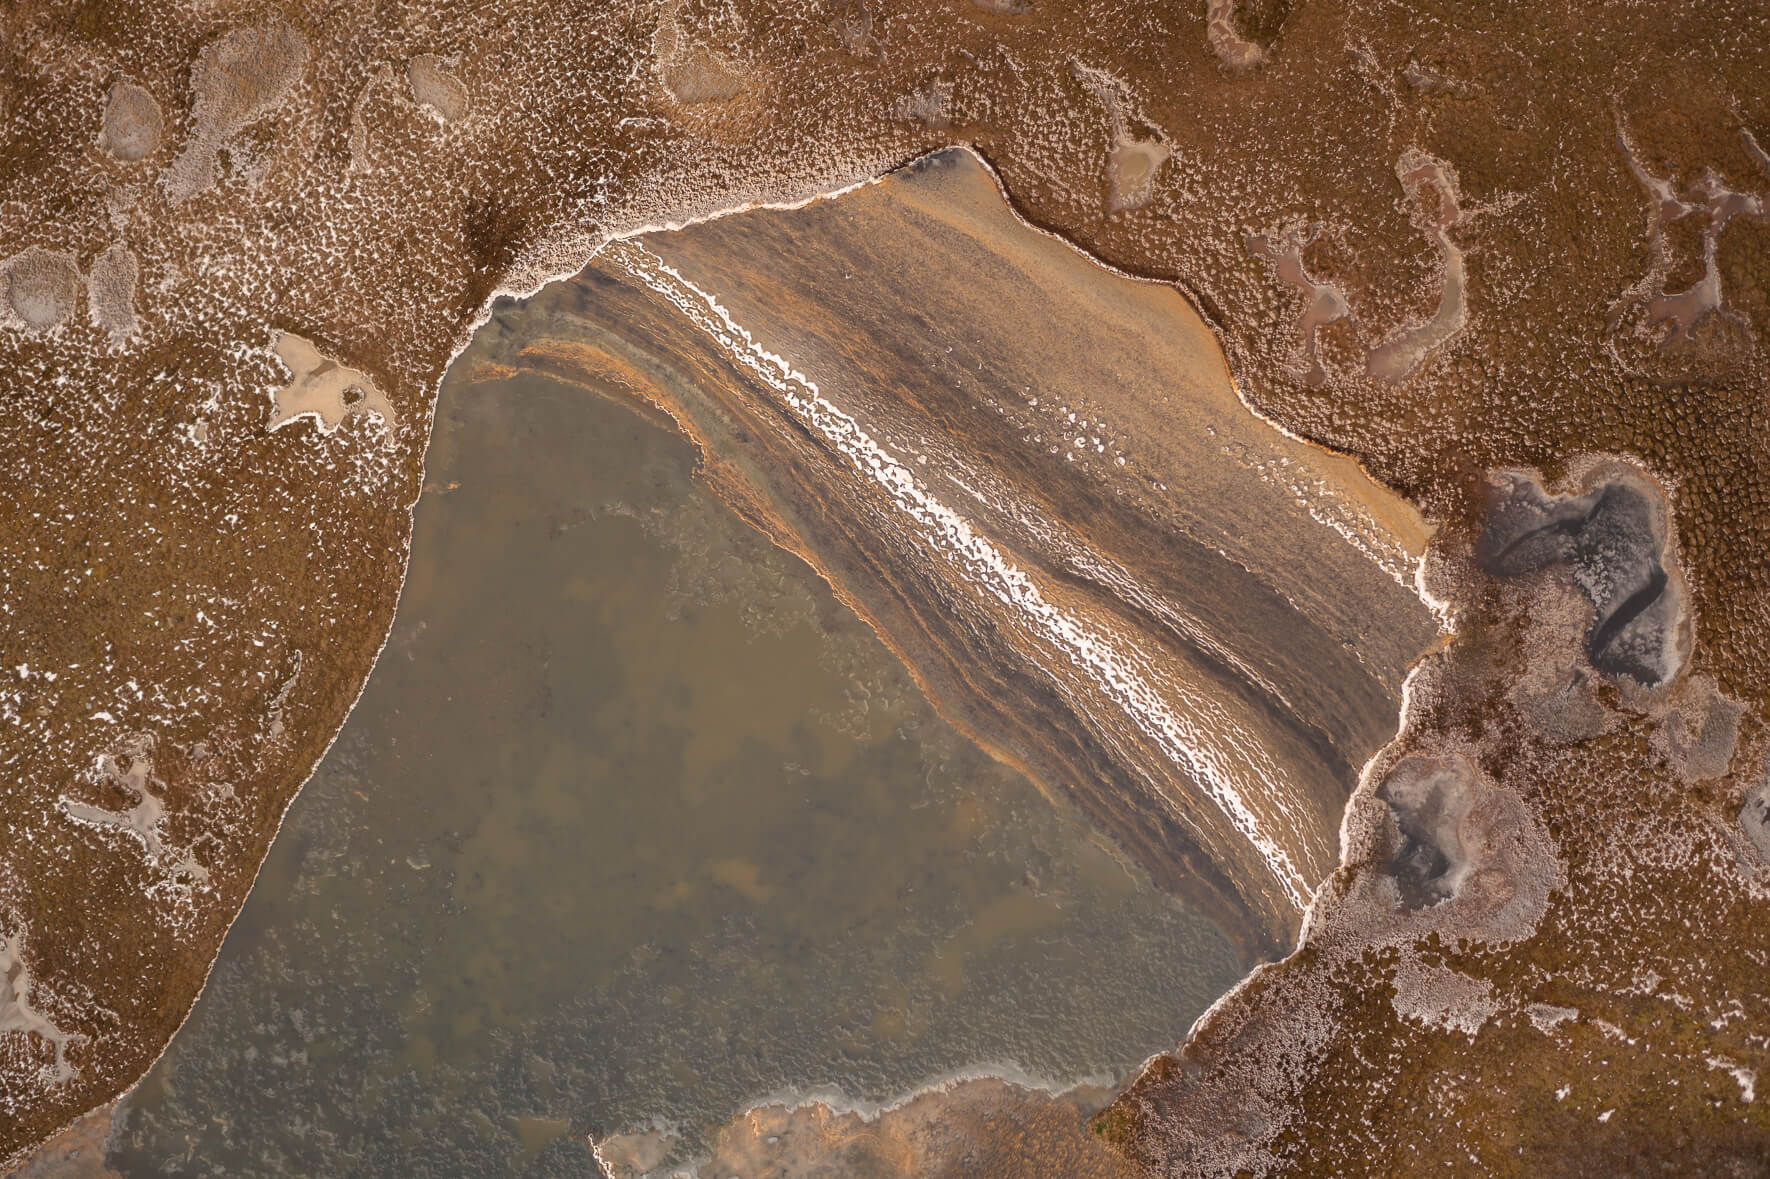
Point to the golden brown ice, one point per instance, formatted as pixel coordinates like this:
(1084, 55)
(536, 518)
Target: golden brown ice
(1033, 476)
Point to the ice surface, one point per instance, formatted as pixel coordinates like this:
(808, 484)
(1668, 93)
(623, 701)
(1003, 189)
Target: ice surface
(1611, 542)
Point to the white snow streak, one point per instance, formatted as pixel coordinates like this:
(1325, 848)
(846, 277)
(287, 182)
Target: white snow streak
(1121, 674)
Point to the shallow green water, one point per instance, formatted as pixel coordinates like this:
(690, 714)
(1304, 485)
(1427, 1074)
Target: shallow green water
(636, 821)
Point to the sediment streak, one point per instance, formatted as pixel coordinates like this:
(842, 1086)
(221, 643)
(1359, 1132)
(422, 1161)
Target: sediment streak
(1129, 681)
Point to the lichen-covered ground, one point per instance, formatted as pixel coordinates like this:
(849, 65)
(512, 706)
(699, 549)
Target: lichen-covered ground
(1449, 238)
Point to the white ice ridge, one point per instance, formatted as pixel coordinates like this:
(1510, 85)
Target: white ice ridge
(1122, 675)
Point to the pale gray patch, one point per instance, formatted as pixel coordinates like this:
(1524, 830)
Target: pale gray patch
(1402, 352)
(1546, 1017)
(1611, 542)
(1429, 805)
(133, 123)
(44, 286)
(1132, 169)
(17, 1014)
(1440, 997)
(1324, 302)
(1754, 817)
(1235, 51)
(238, 79)
(931, 105)
(1701, 730)
(700, 77)
(435, 87)
(132, 769)
(1441, 849)
(322, 389)
(110, 292)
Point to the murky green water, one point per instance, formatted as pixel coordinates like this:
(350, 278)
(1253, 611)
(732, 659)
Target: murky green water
(636, 821)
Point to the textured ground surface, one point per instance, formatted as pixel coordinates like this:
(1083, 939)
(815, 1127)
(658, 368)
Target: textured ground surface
(1447, 238)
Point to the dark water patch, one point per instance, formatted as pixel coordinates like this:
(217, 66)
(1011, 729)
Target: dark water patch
(1427, 805)
(1612, 543)
(635, 820)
